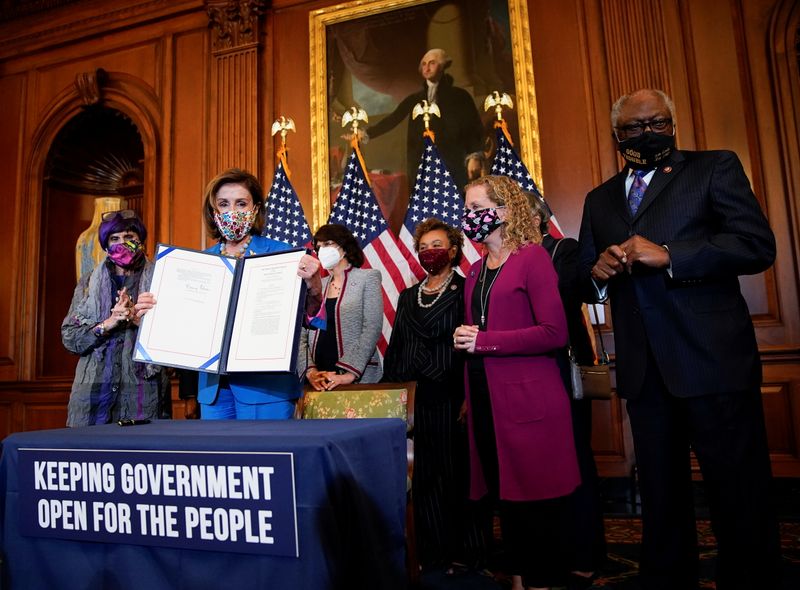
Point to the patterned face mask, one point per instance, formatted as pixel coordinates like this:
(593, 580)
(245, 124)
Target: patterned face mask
(234, 225)
(126, 254)
(478, 224)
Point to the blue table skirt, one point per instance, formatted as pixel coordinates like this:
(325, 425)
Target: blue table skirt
(351, 497)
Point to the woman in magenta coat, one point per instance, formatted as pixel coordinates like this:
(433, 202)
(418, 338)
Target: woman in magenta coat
(522, 452)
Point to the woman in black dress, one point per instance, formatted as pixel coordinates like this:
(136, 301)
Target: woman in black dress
(421, 350)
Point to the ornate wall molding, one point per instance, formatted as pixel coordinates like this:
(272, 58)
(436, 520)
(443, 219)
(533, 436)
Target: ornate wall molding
(234, 26)
(234, 23)
(90, 86)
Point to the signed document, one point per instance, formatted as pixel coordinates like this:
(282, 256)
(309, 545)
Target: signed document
(266, 325)
(220, 315)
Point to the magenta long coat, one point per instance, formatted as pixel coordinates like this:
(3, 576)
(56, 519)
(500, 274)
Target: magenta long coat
(530, 407)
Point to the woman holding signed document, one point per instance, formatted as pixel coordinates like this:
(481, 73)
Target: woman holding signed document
(233, 212)
(101, 327)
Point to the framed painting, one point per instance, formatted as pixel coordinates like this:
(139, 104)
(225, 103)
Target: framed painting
(372, 55)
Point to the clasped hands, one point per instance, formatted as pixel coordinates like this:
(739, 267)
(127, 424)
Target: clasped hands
(328, 380)
(620, 258)
(122, 311)
(464, 338)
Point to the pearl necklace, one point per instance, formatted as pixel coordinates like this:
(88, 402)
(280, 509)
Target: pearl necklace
(439, 290)
(241, 251)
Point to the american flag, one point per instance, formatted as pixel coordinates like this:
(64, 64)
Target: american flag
(508, 163)
(285, 219)
(435, 195)
(357, 209)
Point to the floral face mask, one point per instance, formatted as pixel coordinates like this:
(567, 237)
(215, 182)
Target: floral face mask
(234, 225)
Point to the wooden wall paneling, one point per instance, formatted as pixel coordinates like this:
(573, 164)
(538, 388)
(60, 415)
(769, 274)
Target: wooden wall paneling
(140, 61)
(760, 290)
(612, 441)
(6, 418)
(33, 406)
(12, 105)
(106, 20)
(781, 395)
(235, 83)
(781, 75)
(635, 46)
(185, 172)
(62, 221)
(682, 72)
(770, 36)
(565, 109)
(165, 90)
(292, 94)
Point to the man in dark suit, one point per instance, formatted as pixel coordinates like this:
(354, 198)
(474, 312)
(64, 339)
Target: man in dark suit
(458, 131)
(666, 240)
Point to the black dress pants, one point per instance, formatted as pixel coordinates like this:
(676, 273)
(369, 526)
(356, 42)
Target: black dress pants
(728, 436)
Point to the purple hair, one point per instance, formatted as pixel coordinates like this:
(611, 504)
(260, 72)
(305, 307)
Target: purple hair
(119, 223)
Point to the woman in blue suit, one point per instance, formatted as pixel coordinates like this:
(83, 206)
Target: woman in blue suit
(233, 213)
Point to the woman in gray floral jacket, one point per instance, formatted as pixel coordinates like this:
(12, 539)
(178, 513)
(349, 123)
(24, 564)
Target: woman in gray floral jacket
(101, 327)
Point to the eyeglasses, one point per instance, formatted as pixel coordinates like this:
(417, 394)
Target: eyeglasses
(636, 129)
(124, 213)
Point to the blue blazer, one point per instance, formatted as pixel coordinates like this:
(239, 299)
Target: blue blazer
(695, 323)
(252, 388)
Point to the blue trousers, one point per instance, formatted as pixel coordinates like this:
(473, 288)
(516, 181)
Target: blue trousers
(227, 407)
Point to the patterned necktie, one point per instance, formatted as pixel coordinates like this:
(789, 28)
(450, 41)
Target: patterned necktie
(636, 193)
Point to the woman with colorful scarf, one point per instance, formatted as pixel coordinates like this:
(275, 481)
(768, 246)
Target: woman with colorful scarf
(101, 327)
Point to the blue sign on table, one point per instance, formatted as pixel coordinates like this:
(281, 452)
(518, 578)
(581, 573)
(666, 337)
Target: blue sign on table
(241, 502)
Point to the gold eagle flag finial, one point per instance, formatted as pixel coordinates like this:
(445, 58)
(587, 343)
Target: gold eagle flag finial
(498, 101)
(284, 125)
(426, 109)
(353, 117)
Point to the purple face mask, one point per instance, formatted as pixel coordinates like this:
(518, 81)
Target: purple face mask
(478, 224)
(126, 254)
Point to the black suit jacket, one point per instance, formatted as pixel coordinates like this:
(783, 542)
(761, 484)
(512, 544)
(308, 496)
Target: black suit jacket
(695, 323)
(421, 347)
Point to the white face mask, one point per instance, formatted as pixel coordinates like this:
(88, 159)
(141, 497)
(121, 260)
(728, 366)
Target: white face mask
(329, 256)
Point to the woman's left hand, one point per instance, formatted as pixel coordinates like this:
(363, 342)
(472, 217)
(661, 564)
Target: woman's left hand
(308, 269)
(464, 338)
(334, 380)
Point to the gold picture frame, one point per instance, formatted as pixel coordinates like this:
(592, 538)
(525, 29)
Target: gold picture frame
(319, 22)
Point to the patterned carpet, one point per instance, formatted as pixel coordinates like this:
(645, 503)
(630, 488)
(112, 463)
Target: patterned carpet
(623, 536)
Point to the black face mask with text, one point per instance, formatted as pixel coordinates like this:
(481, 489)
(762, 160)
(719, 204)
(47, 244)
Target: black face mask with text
(646, 151)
